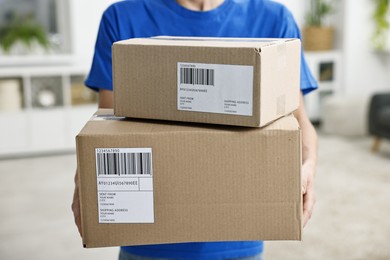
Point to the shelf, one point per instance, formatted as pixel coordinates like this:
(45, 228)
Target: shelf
(45, 107)
(44, 104)
(42, 131)
(326, 69)
(46, 70)
(35, 60)
(323, 55)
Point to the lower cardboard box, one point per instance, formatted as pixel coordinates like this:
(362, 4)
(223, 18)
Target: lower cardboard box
(152, 182)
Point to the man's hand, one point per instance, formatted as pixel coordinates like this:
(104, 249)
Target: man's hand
(106, 100)
(309, 161)
(309, 198)
(76, 204)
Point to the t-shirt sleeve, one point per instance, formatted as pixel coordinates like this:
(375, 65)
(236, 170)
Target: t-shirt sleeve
(100, 75)
(290, 29)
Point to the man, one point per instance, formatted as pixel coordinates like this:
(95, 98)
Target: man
(207, 18)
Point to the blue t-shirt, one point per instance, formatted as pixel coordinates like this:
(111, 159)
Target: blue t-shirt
(233, 18)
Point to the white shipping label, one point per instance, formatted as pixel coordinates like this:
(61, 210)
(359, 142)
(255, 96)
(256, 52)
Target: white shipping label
(215, 88)
(124, 185)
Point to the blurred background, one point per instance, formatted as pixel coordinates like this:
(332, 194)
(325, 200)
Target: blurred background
(44, 104)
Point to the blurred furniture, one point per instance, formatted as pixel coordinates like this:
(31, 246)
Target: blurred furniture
(345, 116)
(326, 69)
(379, 118)
(52, 107)
(43, 103)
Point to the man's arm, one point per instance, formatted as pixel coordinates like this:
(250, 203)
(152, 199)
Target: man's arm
(309, 160)
(106, 99)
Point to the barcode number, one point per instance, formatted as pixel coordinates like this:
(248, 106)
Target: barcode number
(197, 76)
(123, 163)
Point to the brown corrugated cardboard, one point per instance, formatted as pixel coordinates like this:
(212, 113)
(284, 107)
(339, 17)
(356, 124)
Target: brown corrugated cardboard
(199, 182)
(230, 81)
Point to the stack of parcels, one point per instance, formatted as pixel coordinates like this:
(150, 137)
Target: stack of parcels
(201, 144)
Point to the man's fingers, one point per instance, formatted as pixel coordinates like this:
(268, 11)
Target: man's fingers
(308, 205)
(307, 186)
(76, 211)
(303, 188)
(77, 219)
(304, 182)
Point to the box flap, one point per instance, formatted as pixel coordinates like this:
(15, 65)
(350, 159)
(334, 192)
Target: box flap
(205, 42)
(104, 121)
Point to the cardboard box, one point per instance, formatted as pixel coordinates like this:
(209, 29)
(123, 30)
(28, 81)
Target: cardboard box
(147, 182)
(229, 81)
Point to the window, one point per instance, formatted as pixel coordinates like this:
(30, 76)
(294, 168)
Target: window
(50, 15)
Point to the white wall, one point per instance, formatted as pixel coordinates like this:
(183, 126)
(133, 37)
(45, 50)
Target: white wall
(85, 18)
(297, 9)
(365, 71)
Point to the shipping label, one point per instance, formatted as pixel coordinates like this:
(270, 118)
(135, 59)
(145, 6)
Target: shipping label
(124, 185)
(215, 88)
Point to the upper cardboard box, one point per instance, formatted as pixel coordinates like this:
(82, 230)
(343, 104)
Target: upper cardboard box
(148, 182)
(230, 81)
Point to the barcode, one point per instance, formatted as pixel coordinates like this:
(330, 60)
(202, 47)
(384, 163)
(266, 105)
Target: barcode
(123, 163)
(196, 76)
